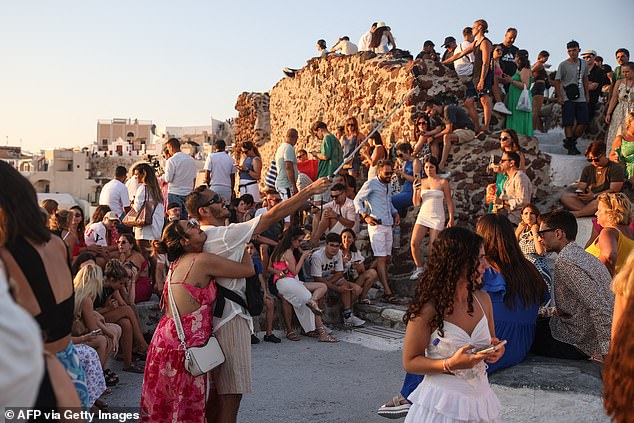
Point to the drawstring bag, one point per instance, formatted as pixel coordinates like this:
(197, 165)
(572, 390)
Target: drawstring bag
(524, 103)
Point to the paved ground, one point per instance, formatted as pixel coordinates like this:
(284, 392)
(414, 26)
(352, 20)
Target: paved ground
(308, 381)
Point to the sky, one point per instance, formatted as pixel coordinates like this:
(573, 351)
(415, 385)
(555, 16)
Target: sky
(65, 64)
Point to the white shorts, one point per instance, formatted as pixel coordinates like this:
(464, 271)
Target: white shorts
(252, 189)
(381, 240)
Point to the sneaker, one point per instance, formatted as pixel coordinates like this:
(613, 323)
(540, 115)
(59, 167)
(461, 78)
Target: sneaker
(394, 409)
(501, 108)
(254, 340)
(354, 321)
(416, 274)
(289, 72)
(272, 338)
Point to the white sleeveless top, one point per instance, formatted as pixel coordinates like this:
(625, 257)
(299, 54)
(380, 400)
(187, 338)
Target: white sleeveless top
(467, 396)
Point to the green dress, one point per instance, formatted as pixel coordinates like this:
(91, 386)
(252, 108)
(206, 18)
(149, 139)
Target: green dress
(626, 156)
(521, 122)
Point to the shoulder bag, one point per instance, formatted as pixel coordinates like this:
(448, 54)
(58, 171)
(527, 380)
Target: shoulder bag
(142, 217)
(198, 360)
(572, 90)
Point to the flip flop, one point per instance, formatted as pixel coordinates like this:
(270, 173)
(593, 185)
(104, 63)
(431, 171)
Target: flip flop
(292, 336)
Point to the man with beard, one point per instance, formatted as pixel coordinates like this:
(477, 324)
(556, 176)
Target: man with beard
(374, 204)
(233, 329)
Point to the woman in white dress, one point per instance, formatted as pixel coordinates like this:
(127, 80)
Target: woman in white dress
(430, 193)
(148, 190)
(447, 318)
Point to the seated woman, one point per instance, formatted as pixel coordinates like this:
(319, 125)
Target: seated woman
(532, 245)
(303, 296)
(88, 325)
(38, 264)
(115, 309)
(623, 147)
(61, 226)
(616, 241)
(353, 267)
(138, 266)
(408, 172)
(194, 291)
(78, 226)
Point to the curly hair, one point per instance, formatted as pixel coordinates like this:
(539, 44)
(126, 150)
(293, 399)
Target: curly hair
(454, 255)
(618, 371)
(619, 207)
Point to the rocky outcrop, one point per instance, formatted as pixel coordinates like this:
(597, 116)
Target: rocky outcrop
(253, 122)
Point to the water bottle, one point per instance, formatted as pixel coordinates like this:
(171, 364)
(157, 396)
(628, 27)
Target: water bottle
(396, 236)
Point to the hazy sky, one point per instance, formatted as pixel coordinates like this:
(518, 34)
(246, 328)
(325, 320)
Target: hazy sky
(65, 64)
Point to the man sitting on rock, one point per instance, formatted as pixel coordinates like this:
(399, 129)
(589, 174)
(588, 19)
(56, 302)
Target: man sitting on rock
(582, 323)
(337, 215)
(601, 176)
(517, 191)
(326, 265)
(459, 127)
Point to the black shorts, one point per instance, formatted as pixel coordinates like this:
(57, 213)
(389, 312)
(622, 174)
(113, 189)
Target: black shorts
(538, 88)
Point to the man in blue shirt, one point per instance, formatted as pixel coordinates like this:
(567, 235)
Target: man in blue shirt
(374, 204)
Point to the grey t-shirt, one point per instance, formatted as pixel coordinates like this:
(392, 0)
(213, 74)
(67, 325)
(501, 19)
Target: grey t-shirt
(568, 73)
(285, 153)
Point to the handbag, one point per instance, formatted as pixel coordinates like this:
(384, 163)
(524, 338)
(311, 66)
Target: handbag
(198, 360)
(142, 217)
(572, 90)
(524, 103)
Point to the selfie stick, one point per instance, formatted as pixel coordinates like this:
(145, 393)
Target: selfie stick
(414, 90)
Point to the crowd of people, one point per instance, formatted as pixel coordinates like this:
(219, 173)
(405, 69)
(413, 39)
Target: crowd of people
(291, 233)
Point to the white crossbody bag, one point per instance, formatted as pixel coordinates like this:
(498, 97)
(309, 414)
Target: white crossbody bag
(198, 360)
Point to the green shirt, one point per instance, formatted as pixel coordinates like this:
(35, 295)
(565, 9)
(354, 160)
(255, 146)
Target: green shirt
(331, 149)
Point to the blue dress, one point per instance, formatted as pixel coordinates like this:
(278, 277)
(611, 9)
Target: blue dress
(403, 200)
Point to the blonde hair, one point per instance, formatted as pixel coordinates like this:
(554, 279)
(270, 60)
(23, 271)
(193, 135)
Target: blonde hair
(88, 284)
(629, 119)
(62, 220)
(623, 284)
(619, 207)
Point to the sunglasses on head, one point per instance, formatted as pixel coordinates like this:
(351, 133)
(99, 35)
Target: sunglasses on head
(213, 200)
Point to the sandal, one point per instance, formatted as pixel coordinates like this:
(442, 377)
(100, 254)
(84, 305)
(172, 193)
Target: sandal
(101, 404)
(365, 301)
(312, 305)
(390, 298)
(111, 377)
(312, 334)
(133, 368)
(292, 336)
(324, 337)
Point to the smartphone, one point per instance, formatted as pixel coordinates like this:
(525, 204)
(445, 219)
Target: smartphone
(488, 348)
(579, 191)
(95, 332)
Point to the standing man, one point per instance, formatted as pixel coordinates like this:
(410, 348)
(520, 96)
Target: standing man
(571, 85)
(509, 53)
(180, 174)
(582, 324)
(518, 189)
(364, 42)
(450, 47)
(596, 80)
(464, 68)
(115, 194)
(233, 329)
(286, 163)
(330, 155)
(220, 171)
(374, 203)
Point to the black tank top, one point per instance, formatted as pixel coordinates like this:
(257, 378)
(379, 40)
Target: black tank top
(478, 62)
(55, 320)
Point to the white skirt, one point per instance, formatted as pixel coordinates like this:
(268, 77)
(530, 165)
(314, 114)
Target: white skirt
(450, 399)
(297, 295)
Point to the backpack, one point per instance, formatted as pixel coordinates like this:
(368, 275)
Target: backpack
(255, 297)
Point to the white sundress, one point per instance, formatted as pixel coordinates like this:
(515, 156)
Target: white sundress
(465, 397)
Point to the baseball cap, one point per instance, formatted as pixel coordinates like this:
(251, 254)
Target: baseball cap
(589, 52)
(447, 41)
(429, 43)
(111, 216)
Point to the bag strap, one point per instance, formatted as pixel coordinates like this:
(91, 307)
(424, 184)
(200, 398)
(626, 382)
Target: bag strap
(175, 315)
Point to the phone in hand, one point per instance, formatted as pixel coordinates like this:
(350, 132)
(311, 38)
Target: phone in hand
(95, 332)
(579, 191)
(488, 349)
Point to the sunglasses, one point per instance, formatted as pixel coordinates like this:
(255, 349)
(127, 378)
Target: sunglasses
(350, 125)
(504, 138)
(193, 224)
(335, 195)
(399, 155)
(213, 200)
(123, 242)
(505, 160)
(541, 233)
(594, 159)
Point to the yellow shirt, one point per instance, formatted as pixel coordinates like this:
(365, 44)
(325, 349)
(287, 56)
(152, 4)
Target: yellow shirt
(624, 247)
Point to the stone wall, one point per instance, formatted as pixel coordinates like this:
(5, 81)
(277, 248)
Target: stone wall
(253, 122)
(367, 87)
